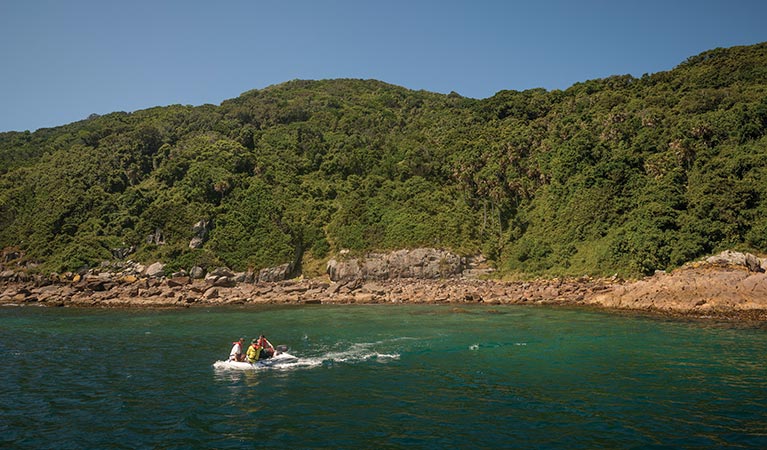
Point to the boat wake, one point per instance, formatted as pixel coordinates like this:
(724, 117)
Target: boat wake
(341, 353)
(359, 352)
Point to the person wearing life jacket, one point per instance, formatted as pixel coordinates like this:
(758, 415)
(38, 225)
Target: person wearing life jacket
(254, 351)
(236, 353)
(267, 349)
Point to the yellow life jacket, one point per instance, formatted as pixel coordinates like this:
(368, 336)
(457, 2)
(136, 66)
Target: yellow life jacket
(253, 353)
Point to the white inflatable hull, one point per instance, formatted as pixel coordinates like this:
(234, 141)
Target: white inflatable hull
(274, 361)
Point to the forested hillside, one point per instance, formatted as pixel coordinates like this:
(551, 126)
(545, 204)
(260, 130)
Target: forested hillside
(621, 174)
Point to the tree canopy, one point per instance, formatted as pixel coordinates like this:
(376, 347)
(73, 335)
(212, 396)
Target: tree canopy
(621, 174)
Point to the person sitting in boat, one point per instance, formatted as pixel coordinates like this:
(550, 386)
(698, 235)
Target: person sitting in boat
(236, 353)
(254, 351)
(267, 349)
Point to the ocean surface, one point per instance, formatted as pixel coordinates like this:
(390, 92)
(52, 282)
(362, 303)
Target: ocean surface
(379, 376)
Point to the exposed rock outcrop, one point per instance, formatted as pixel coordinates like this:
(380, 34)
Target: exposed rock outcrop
(727, 283)
(422, 263)
(732, 258)
(197, 272)
(200, 230)
(122, 252)
(278, 273)
(156, 238)
(155, 270)
(221, 277)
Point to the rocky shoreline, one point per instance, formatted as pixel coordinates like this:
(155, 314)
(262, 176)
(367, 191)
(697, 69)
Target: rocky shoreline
(729, 286)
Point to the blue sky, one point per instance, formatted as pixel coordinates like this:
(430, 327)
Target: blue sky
(63, 60)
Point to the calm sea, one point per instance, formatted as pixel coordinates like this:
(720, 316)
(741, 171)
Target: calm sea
(379, 376)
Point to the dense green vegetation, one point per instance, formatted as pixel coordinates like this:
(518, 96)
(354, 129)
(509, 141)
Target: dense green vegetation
(621, 174)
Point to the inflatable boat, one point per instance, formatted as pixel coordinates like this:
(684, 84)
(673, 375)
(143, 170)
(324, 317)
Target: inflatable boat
(282, 358)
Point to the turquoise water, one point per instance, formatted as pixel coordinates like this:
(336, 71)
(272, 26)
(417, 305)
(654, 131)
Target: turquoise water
(379, 377)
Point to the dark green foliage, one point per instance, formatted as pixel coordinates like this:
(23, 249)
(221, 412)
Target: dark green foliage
(614, 175)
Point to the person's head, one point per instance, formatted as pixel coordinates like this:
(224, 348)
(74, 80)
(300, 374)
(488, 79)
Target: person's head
(242, 339)
(254, 341)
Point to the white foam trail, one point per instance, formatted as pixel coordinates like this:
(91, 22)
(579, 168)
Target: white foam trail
(354, 353)
(362, 351)
(300, 363)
